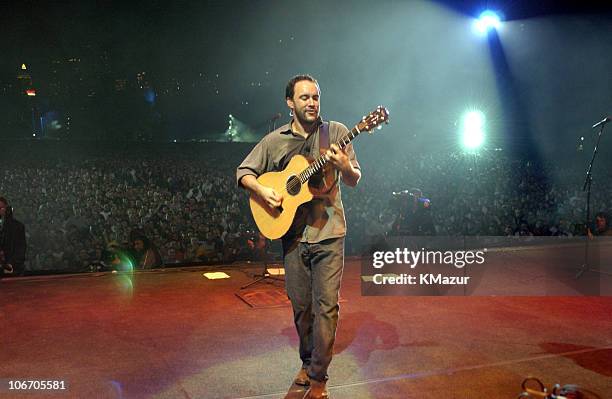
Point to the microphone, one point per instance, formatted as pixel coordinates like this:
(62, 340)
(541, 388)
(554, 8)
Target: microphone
(602, 122)
(276, 117)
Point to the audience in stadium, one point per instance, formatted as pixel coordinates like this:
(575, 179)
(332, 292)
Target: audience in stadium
(80, 209)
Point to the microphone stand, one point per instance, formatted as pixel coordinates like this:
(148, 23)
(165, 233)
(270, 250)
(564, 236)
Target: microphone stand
(587, 187)
(265, 274)
(272, 122)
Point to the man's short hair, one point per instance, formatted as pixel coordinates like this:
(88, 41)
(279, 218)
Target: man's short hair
(290, 89)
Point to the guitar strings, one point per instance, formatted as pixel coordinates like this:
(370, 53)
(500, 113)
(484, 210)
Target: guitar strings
(318, 163)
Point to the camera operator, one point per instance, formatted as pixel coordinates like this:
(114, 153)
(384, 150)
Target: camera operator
(414, 218)
(12, 242)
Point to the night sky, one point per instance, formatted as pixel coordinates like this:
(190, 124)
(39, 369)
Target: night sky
(418, 58)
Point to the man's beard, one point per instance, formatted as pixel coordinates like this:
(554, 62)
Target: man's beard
(304, 118)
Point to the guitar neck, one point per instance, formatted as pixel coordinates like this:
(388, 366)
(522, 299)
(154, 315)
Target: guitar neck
(321, 160)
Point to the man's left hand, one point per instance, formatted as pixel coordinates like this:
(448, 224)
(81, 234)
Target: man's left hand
(338, 157)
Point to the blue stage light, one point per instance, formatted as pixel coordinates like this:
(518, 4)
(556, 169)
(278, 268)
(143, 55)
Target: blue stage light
(488, 20)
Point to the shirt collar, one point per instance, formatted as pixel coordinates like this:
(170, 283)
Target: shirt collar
(286, 128)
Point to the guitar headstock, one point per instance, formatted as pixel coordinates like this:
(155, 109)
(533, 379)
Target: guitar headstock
(374, 119)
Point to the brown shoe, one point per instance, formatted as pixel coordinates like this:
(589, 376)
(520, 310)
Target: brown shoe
(302, 378)
(317, 390)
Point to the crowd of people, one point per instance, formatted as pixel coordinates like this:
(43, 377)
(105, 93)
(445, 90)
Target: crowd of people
(84, 208)
(91, 207)
(489, 193)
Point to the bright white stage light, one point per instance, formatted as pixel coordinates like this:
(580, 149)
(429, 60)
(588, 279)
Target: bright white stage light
(488, 20)
(473, 130)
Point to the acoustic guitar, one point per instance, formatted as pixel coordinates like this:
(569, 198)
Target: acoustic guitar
(292, 182)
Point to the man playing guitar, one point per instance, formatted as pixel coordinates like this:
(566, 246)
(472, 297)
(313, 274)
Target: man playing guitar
(313, 247)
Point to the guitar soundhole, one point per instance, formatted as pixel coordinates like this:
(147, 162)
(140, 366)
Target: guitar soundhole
(294, 185)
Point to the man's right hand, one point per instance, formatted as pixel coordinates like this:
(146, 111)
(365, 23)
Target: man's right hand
(267, 194)
(270, 196)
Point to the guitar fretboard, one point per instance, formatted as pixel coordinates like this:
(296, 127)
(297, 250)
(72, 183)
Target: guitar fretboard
(321, 160)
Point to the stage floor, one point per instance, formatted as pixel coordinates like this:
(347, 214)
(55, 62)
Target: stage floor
(176, 334)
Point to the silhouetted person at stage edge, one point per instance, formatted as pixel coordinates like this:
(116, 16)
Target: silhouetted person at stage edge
(598, 232)
(602, 226)
(12, 241)
(144, 253)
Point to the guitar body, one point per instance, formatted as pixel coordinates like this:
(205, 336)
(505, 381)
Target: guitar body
(274, 223)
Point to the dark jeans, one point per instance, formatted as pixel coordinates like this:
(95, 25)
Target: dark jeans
(312, 279)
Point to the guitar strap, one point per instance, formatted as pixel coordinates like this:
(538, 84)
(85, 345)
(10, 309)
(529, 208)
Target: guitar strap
(323, 137)
(328, 175)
